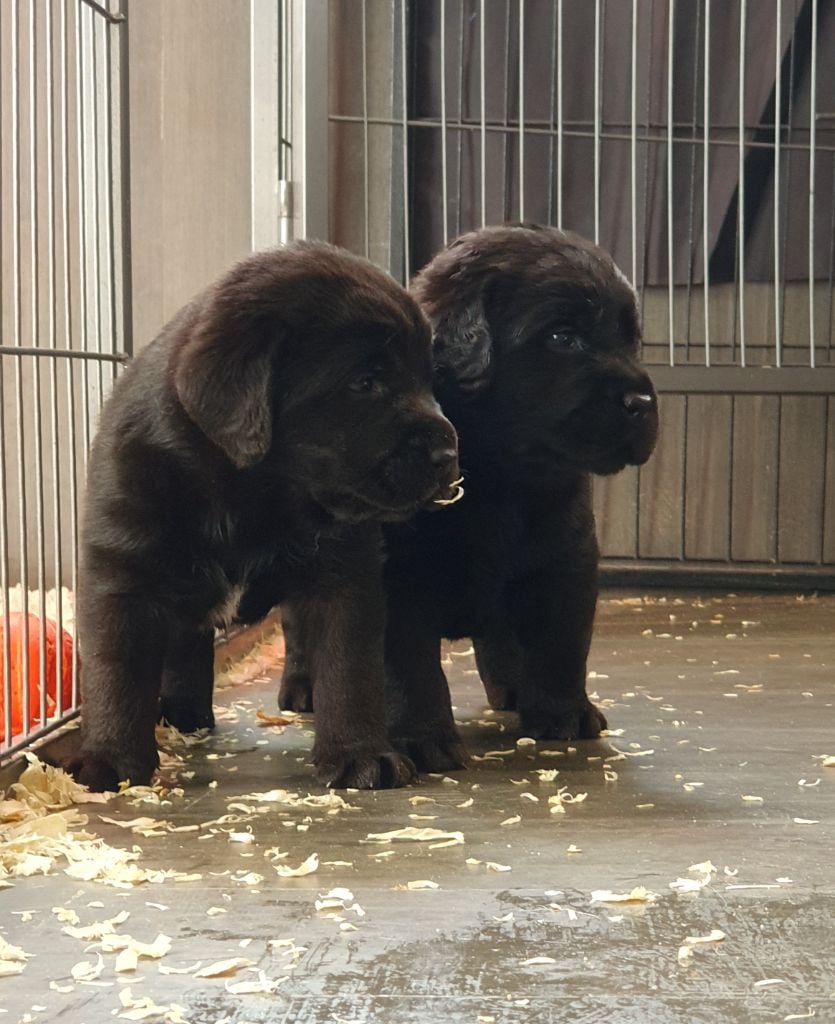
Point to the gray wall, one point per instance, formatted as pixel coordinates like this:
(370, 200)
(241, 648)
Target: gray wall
(190, 150)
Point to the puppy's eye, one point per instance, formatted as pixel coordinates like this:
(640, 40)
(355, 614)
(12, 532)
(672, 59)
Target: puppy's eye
(564, 341)
(366, 385)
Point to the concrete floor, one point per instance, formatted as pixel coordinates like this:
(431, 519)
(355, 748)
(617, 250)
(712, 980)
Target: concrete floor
(718, 700)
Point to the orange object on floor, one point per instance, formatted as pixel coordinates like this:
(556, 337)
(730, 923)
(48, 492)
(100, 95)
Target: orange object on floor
(16, 635)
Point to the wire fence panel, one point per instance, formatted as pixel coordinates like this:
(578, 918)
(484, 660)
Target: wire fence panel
(696, 142)
(63, 309)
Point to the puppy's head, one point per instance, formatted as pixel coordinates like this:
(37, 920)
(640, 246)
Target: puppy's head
(537, 336)
(309, 364)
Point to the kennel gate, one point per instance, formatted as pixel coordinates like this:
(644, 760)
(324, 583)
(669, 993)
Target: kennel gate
(649, 126)
(64, 308)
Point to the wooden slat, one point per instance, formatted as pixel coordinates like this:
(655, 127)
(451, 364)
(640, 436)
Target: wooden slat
(661, 486)
(754, 483)
(802, 453)
(616, 512)
(707, 477)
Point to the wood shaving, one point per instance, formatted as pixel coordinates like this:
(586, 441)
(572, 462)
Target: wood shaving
(418, 835)
(12, 959)
(513, 820)
(263, 986)
(223, 968)
(637, 895)
(98, 929)
(143, 1008)
(262, 718)
(536, 961)
(307, 867)
(420, 884)
(86, 970)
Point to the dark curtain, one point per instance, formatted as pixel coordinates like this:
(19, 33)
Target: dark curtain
(462, 75)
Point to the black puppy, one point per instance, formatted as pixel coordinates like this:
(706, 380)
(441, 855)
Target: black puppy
(248, 455)
(536, 338)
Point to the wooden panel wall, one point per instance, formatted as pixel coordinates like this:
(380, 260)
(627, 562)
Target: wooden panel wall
(754, 469)
(745, 479)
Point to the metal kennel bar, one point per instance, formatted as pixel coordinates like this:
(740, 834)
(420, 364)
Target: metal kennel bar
(696, 142)
(64, 316)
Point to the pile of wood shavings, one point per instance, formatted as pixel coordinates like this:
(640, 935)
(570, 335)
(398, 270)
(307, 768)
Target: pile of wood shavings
(41, 832)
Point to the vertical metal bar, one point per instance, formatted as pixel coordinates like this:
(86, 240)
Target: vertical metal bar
(740, 226)
(559, 112)
(778, 105)
(506, 164)
(444, 167)
(35, 396)
(651, 51)
(58, 571)
(787, 189)
(670, 232)
(521, 110)
(82, 229)
(5, 645)
(68, 319)
(95, 227)
(813, 102)
(109, 186)
(706, 186)
(597, 62)
(365, 191)
(23, 540)
(460, 133)
(691, 211)
(633, 143)
(124, 181)
(482, 17)
(830, 283)
(309, 28)
(552, 100)
(405, 122)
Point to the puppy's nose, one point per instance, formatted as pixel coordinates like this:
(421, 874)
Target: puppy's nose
(637, 403)
(441, 457)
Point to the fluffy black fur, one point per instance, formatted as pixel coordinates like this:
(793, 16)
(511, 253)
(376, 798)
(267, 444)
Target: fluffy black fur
(248, 456)
(536, 341)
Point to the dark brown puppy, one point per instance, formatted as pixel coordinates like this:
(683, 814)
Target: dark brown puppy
(536, 339)
(246, 456)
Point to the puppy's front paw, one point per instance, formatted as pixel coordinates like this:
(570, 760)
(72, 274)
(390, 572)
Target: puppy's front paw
(433, 752)
(296, 693)
(583, 723)
(185, 716)
(353, 769)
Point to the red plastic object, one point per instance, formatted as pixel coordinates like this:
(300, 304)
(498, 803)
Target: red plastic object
(34, 681)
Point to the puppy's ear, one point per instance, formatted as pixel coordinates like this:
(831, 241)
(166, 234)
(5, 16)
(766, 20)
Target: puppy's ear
(462, 345)
(223, 377)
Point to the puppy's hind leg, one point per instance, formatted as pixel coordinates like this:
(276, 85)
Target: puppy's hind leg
(188, 680)
(296, 690)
